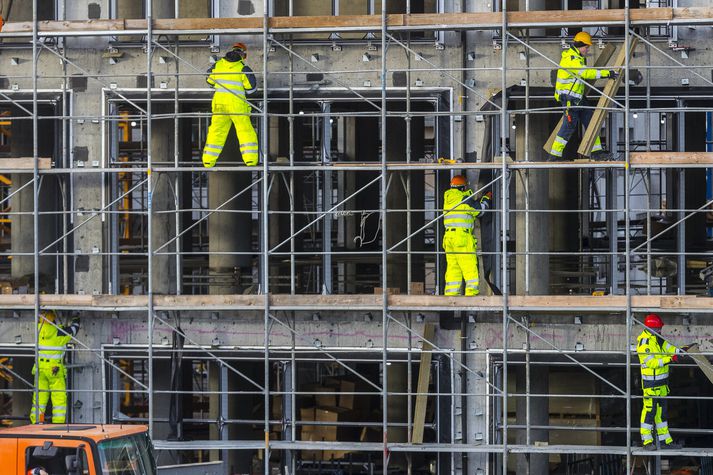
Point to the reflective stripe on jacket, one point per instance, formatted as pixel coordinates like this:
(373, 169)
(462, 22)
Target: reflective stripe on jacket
(230, 77)
(53, 341)
(654, 359)
(572, 73)
(459, 215)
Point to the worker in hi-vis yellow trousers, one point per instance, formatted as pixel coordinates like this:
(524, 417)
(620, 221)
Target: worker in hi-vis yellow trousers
(460, 245)
(569, 92)
(232, 80)
(51, 373)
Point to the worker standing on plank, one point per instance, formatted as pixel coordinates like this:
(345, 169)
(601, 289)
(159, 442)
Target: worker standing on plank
(232, 80)
(50, 369)
(655, 354)
(569, 92)
(460, 245)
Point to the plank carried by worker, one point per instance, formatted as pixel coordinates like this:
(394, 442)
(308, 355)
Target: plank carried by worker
(424, 379)
(701, 361)
(600, 62)
(592, 131)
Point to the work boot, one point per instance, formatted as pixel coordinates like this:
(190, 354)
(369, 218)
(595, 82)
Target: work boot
(553, 158)
(650, 447)
(602, 156)
(671, 446)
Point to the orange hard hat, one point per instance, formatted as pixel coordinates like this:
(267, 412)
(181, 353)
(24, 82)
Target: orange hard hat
(458, 180)
(653, 321)
(240, 46)
(583, 37)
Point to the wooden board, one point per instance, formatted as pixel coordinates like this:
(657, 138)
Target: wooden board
(600, 62)
(424, 380)
(701, 361)
(485, 20)
(671, 158)
(538, 303)
(595, 125)
(24, 163)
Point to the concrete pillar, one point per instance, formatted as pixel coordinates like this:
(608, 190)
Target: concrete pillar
(87, 188)
(539, 415)
(22, 226)
(229, 231)
(535, 184)
(164, 224)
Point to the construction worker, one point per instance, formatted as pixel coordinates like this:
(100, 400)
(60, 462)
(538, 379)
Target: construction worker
(232, 79)
(461, 209)
(50, 369)
(655, 354)
(569, 92)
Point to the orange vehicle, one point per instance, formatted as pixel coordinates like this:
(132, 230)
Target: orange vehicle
(76, 449)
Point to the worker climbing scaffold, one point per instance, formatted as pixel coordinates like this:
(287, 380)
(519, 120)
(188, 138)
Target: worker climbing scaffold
(570, 92)
(232, 80)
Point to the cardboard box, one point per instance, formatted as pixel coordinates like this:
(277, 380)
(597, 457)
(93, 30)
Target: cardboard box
(418, 288)
(343, 387)
(322, 396)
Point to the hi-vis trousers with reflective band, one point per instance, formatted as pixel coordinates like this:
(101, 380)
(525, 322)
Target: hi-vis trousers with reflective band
(52, 386)
(569, 127)
(230, 110)
(461, 261)
(653, 414)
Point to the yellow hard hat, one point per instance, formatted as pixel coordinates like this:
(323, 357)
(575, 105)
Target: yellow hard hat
(49, 315)
(583, 37)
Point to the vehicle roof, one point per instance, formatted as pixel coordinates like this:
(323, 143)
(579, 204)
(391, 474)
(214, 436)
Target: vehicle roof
(96, 432)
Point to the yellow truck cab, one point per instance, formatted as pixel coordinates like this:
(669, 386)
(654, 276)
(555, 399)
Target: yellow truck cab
(76, 449)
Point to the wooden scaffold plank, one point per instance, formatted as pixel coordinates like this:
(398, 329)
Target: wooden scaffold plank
(592, 132)
(424, 380)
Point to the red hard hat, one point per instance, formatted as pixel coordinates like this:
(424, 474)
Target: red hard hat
(653, 321)
(458, 180)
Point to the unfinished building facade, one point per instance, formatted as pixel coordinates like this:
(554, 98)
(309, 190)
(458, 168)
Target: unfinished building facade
(290, 317)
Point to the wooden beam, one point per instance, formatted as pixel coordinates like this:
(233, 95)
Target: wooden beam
(24, 163)
(595, 125)
(671, 158)
(600, 62)
(535, 303)
(424, 380)
(442, 21)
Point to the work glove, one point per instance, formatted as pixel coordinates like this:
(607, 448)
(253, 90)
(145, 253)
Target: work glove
(674, 358)
(613, 74)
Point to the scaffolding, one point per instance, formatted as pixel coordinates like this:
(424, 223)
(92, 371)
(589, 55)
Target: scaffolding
(468, 372)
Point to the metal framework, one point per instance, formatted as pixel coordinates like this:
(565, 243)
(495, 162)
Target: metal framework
(288, 343)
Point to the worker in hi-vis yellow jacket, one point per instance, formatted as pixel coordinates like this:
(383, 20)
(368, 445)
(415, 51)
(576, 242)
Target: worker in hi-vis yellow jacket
(569, 92)
(461, 209)
(51, 373)
(232, 80)
(655, 355)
